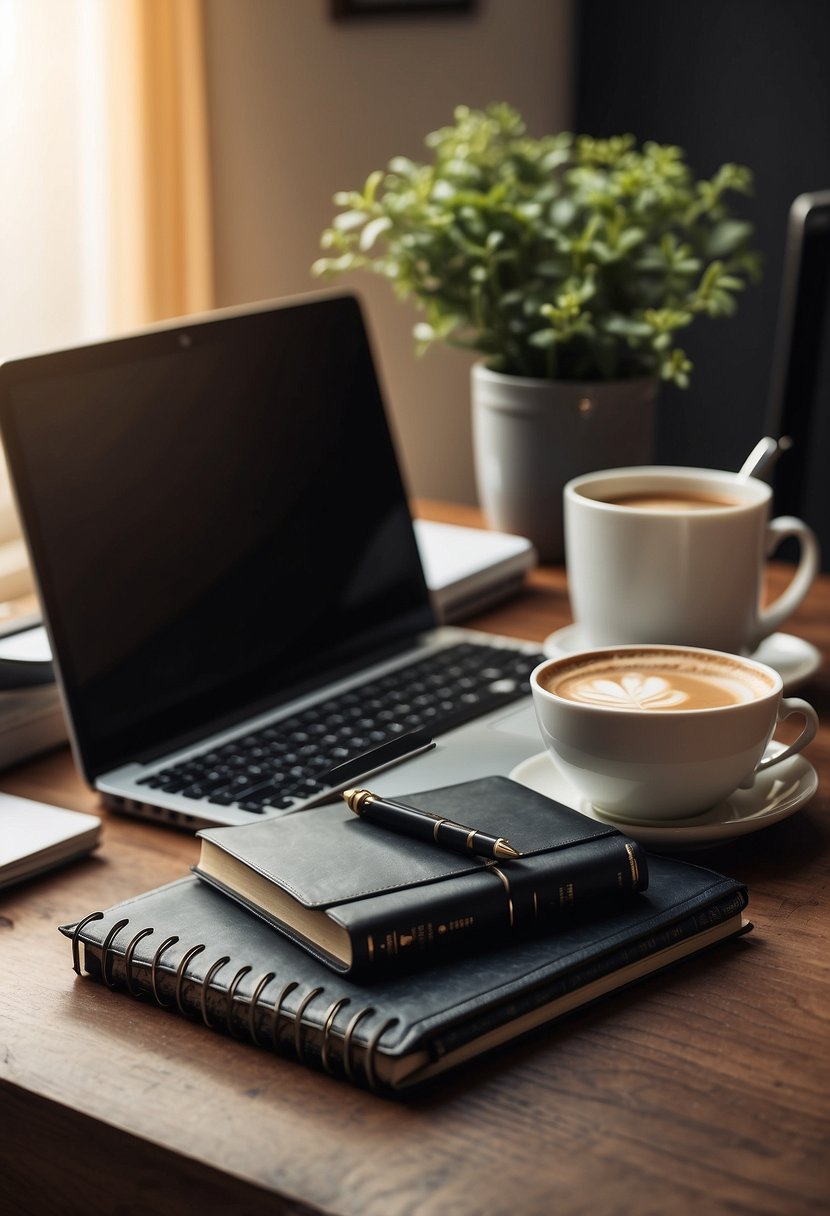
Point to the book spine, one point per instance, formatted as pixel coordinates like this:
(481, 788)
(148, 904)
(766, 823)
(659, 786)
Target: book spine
(527, 895)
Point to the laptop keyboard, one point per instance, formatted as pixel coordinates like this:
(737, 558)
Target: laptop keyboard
(293, 759)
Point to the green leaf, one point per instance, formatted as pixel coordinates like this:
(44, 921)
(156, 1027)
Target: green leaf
(629, 239)
(373, 230)
(402, 166)
(726, 237)
(627, 327)
(346, 221)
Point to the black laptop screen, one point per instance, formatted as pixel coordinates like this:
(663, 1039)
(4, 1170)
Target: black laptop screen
(215, 516)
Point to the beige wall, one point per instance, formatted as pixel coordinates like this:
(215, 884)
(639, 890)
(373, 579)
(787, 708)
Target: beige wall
(302, 105)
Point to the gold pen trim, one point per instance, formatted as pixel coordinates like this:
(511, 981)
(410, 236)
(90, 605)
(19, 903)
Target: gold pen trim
(438, 823)
(632, 862)
(470, 836)
(506, 884)
(356, 799)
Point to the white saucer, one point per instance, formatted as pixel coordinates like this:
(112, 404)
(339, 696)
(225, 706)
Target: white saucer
(774, 795)
(793, 658)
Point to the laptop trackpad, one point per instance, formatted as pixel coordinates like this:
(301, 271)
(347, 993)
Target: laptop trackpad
(520, 721)
(494, 744)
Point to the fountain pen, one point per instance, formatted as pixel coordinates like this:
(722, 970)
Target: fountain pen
(423, 826)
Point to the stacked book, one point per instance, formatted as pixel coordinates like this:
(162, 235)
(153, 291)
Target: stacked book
(386, 959)
(31, 714)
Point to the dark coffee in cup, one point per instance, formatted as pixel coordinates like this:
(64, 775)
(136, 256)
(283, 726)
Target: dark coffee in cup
(665, 554)
(671, 501)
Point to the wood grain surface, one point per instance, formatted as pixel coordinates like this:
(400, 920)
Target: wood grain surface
(706, 1089)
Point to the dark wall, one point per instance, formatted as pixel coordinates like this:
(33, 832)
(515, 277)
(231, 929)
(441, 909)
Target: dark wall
(737, 80)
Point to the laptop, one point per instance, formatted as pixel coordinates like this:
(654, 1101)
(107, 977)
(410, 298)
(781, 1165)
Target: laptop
(229, 576)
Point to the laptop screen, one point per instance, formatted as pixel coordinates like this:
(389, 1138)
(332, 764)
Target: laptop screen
(215, 516)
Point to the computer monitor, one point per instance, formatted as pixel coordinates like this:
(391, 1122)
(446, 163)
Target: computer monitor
(799, 405)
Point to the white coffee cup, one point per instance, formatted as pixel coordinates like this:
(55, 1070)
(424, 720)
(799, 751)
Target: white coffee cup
(656, 733)
(672, 569)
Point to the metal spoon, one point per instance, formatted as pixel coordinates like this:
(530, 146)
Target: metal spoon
(763, 456)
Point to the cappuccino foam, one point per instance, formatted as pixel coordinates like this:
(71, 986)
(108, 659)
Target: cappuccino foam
(656, 681)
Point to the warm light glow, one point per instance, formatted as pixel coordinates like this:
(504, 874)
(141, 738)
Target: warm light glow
(52, 216)
(53, 208)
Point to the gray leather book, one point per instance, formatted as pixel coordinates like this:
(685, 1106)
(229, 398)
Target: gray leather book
(366, 900)
(190, 949)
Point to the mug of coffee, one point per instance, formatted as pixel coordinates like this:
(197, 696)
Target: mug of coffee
(656, 733)
(676, 556)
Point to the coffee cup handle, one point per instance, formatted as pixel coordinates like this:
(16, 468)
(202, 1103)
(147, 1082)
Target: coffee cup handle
(778, 530)
(793, 705)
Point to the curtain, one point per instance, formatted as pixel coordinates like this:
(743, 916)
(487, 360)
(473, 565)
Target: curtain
(161, 254)
(105, 218)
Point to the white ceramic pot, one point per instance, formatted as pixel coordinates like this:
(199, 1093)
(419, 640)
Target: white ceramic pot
(532, 436)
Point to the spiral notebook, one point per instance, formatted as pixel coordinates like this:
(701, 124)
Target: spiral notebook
(199, 954)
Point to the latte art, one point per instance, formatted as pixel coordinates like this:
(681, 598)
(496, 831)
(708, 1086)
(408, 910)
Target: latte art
(639, 691)
(647, 682)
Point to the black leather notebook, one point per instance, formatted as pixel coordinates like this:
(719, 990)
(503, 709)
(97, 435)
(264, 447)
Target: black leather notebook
(201, 955)
(364, 899)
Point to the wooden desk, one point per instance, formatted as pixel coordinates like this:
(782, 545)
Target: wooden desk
(703, 1090)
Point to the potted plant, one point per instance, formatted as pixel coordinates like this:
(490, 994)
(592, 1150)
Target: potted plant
(570, 263)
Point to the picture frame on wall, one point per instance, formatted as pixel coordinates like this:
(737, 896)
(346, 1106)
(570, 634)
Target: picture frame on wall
(372, 8)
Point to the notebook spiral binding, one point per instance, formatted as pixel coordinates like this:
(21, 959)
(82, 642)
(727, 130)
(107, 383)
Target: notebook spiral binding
(287, 1031)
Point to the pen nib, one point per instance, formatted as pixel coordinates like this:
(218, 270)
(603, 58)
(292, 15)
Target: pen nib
(502, 849)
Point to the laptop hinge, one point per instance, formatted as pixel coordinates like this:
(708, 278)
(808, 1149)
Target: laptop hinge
(402, 646)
